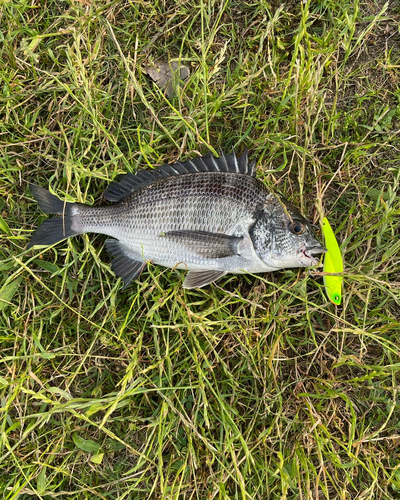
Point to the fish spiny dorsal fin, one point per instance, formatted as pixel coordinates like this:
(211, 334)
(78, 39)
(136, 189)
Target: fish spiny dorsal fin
(225, 163)
(116, 191)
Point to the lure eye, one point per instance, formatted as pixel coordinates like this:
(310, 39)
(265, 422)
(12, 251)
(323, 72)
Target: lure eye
(297, 227)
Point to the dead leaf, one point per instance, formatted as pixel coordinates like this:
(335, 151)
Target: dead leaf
(168, 75)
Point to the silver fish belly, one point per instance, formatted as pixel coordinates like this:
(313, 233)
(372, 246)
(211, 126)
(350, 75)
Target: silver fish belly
(201, 215)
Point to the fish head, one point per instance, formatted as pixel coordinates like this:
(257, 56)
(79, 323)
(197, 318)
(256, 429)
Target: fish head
(283, 238)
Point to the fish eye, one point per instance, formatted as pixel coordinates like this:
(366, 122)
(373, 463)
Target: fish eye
(297, 227)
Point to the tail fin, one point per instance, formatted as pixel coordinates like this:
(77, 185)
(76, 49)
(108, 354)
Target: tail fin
(53, 230)
(49, 203)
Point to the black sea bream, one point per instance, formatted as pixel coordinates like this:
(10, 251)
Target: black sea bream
(209, 215)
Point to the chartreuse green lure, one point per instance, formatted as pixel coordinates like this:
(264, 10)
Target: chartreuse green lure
(333, 263)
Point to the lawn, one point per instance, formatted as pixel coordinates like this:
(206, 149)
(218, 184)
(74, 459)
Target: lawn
(256, 387)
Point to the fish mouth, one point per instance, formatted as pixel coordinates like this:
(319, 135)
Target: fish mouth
(310, 256)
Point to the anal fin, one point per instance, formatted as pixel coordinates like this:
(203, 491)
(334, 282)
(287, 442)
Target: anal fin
(123, 265)
(198, 279)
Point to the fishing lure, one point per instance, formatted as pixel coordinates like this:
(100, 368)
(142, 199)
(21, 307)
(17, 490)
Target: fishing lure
(333, 263)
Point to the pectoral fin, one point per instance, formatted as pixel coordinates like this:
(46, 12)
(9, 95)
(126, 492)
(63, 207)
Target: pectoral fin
(205, 244)
(198, 279)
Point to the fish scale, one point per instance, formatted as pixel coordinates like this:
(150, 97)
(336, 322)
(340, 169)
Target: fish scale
(208, 215)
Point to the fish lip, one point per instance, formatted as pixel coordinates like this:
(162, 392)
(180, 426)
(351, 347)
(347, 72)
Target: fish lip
(309, 255)
(316, 250)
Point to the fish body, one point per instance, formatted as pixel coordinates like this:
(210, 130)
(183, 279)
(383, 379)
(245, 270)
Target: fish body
(209, 215)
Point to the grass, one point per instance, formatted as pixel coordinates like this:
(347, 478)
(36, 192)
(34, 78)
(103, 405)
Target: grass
(256, 387)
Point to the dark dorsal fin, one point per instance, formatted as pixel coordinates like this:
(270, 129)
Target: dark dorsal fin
(225, 163)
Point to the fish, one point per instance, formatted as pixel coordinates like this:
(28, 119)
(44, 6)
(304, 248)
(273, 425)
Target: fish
(209, 215)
